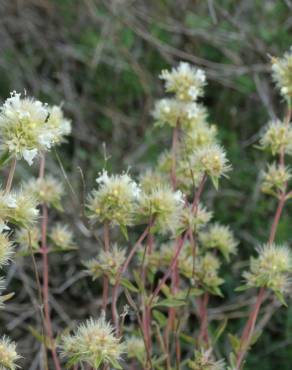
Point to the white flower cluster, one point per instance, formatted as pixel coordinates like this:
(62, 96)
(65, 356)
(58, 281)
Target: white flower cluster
(27, 126)
(198, 151)
(282, 73)
(115, 199)
(185, 81)
(95, 343)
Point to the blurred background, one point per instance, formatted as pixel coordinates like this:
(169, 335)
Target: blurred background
(102, 59)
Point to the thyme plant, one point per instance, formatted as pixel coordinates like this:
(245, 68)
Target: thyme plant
(157, 289)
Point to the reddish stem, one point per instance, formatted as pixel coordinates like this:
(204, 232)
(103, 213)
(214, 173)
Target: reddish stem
(120, 273)
(250, 325)
(203, 303)
(174, 153)
(105, 291)
(278, 213)
(44, 250)
(249, 329)
(180, 241)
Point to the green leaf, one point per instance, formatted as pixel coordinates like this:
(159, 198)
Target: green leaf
(6, 297)
(130, 286)
(215, 291)
(281, 298)
(4, 158)
(124, 231)
(232, 359)
(234, 341)
(195, 292)
(115, 363)
(158, 316)
(138, 280)
(170, 302)
(187, 339)
(242, 288)
(219, 331)
(215, 182)
(255, 337)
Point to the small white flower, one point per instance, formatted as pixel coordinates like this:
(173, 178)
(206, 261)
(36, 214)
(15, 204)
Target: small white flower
(29, 155)
(103, 177)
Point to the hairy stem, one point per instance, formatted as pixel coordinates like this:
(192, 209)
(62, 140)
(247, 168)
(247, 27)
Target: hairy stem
(120, 273)
(44, 249)
(249, 329)
(10, 176)
(105, 291)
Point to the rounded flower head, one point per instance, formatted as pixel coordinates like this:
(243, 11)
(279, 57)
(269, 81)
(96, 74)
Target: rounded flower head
(62, 237)
(8, 354)
(186, 81)
(107, 263)
(270, 269)
(188, 174)
(171, 112)
(204, 360)
(275, 179)
(206, 271)
(211, 159)
(135, 348)
(22, 209)
(189, 220)
(94, 343)
(149, 178)
(115, 199)
(58, 124)
(28, 238)
(219, 237)
(163, 205)
(6, 249)
(47, 190)
(277, 137)
(23, 127)
(282, 73)
(200, 136)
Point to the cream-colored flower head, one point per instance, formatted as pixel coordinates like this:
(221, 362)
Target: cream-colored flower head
(211, 159)
(277, 137)
(186, 81)
(200, 136)
(194, 222)
(23, 127)
(28, 238)
(22, 209)
(188, 175)
(150, 177)
(7, 203)
(94, 343)
(204, 360)
(207, 272)
(62, 237)
(107, 263)
(171, 112)
(58, 124)
(271, 268)
(47, 190)
(275, 179)
(282, 73)
(135, 348)
(163, 206)
(8, 354)
(219, 237)
(115, 200)
(6, 249)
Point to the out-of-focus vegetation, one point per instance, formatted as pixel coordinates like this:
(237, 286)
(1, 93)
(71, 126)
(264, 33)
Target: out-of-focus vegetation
(102, 59)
